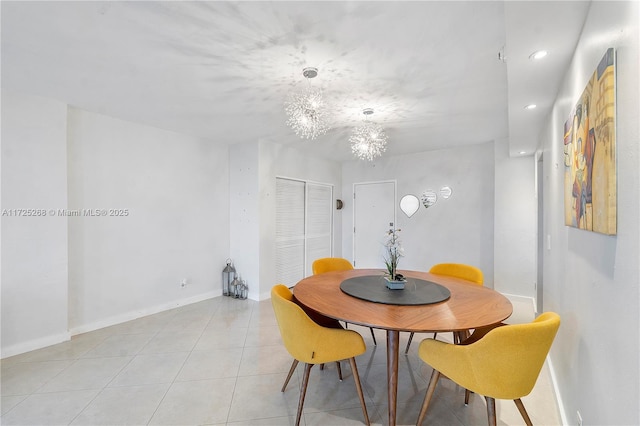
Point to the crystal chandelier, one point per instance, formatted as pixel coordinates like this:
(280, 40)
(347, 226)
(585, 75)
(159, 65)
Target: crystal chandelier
(306, 110)
(369, 140)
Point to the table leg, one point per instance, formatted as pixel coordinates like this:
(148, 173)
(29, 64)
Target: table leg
(393, 342)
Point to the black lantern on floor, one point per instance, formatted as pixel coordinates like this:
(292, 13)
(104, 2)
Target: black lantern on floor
(228, 276)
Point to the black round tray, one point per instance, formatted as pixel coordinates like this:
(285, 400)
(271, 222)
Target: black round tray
(373, 288)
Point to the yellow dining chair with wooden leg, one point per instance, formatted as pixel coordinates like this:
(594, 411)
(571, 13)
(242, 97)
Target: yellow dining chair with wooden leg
(499, 363)
(330, 264)
(313, 344)
(457, 270)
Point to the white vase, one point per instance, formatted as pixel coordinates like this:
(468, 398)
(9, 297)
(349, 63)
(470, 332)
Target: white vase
(395, 284)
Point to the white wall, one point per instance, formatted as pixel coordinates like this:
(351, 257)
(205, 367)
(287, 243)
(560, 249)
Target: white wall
(244, 213)
(515, 223)
(175, 190)
(34, 249)
(254, 168)
(458, 229)
(593, 280)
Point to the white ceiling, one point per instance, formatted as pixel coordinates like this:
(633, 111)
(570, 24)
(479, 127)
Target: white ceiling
(222, 70)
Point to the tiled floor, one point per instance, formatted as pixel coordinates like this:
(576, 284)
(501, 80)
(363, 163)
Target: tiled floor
(221, 362)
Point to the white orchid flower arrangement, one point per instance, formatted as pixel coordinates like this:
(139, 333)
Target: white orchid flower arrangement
(394, 252)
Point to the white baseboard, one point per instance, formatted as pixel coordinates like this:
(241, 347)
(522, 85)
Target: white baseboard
(518, 298)
(32, 345)
(128, 316)
(556, 391)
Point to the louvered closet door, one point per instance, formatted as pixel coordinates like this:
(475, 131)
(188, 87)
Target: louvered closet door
(318, 213)
(303, 227)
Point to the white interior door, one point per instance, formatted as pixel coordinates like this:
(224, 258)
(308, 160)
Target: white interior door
(373, 213)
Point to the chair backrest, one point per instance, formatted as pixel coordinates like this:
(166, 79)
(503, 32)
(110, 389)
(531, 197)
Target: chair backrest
(328, 264)
(506, 362)
(307, 341)
(459, 270)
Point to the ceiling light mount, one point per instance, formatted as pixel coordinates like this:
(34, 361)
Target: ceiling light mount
(310, 72)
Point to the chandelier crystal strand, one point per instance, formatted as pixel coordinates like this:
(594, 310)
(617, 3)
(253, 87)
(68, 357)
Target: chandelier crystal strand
(306, 110)
(369, 140)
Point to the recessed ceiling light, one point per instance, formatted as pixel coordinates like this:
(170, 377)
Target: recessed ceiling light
(538, 54)
(531, 106)
(523, 152)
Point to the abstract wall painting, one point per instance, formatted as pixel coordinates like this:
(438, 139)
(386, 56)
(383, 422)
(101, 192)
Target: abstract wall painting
(590, 195)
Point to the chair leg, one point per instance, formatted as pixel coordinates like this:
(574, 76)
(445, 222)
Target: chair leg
(406, 351)
(291, 370)
(303, 391)
(356, 377)
(523, 412)
(373, 336)
(491, 410)
(427, 398)
(467, 394)
(460, 336)
(339, 370)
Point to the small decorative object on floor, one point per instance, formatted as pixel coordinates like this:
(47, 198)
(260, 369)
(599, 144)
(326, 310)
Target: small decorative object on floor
(394, 250)
(228, 275)
(239, 289)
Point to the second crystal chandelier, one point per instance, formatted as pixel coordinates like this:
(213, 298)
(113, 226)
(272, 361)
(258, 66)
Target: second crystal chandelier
(306, 110)
(369, 140)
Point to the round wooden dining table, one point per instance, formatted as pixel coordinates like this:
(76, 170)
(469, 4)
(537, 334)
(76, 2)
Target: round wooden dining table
(468, 307)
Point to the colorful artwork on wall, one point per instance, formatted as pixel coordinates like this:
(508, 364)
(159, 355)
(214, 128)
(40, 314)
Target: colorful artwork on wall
(590, 196)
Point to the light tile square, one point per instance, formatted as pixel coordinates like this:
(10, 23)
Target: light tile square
(8, 402)
(168, 341)
(211, 364)
(196, 403)
(28, 377)
(88, 373)
(120, 345)
(149, 369)
(132, 405)
(58, 408)
(257, 397)
(265, 360)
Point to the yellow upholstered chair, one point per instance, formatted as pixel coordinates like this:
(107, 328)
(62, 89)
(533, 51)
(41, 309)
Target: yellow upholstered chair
(330, 264)
(313, 344)
(499, 363)
(457, 270)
